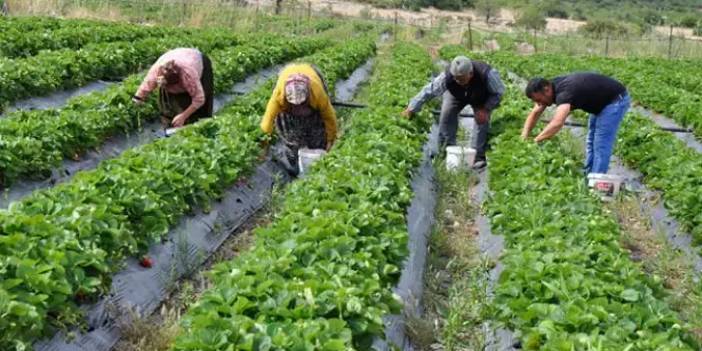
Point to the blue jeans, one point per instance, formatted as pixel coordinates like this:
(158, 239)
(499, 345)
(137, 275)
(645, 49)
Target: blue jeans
(602, 133)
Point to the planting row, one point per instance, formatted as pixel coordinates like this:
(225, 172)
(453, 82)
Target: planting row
(34, 142)
(644, 83)
(62, 69)
(61, 245)
(321, 276)
(17, 41)
(567, 284)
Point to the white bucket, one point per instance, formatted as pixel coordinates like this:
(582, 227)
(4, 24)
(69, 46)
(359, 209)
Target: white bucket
(171, 131)
(466, 124)
(306, 157)
(459, 157)
(607, 185)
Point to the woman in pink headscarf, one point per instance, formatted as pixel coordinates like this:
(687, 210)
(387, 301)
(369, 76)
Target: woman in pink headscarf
(186, 86)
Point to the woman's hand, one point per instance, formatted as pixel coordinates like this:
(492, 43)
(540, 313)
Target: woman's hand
(179, 120)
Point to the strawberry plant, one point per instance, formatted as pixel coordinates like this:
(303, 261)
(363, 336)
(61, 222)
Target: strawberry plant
(37, 141)
(50, 71)
(566, 283)
(321, 276)
(69, 239)
(18, 41)
(654, 83)
(668, 166)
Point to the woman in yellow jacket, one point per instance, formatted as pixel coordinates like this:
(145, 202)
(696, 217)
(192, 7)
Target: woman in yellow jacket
(301, 112)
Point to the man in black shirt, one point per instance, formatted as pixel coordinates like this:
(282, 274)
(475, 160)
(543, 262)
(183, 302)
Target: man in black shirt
(603, 97)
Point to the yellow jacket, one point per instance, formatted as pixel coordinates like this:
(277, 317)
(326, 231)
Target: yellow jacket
(318, 100)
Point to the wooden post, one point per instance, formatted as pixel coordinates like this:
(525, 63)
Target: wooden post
(182, 21)
(470, 36)
(535, 46)
(607, 45)
(309, 10)
(670, 43)
(394, 30)
(256, 17)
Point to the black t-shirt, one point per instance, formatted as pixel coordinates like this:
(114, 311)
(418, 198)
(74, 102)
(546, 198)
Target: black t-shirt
(589, 92)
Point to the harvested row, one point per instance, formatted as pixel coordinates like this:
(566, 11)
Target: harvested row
(51, 71)
(567, 284)
(321, 276)
(34, 142)
(61, 245)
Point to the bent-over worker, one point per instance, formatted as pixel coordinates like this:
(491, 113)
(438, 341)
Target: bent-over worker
(603, 97)
(186, 86)
(300, 111)
(464, 82)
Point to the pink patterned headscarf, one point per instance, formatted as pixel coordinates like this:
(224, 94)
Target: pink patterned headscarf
(297, 88)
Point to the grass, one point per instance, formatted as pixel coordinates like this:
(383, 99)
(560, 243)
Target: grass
(203, 13)
(650, 247)
(455, 295)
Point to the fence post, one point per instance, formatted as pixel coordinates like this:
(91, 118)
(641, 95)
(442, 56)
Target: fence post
(670, 43)
(256, 17)
(470, 36)
(309, 10)
(536, 48)
(394, 30)
(607, 45)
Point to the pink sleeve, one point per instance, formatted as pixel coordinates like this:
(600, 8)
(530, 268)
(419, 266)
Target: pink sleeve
(191, 84)
(149, 83)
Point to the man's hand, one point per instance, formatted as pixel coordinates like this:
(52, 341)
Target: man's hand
(525, 137)
(481, 116)
(407, 113)
(329, 146)
(137, 101)
(179, 120)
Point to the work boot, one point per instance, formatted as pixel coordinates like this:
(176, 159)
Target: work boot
(479, 165)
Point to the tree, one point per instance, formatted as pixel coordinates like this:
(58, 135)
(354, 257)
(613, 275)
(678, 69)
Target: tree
(531, 18)
(553, 8)
(487, 8)
(603, 27)
(689, 21)
(653, 18)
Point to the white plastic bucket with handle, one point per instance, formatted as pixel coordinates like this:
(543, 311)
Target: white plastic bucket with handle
(306, 157)
(466, 124)
(606, 185)
(459, 157)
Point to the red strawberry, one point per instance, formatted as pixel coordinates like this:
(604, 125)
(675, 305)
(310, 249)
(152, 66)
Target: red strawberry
(146, 261)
